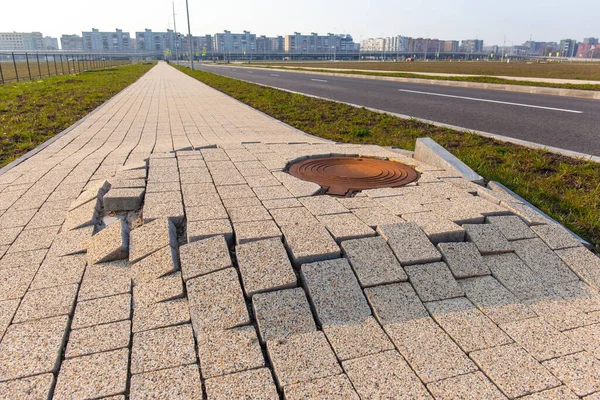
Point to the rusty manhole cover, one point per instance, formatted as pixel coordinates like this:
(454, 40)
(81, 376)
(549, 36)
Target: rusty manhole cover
(341, 175)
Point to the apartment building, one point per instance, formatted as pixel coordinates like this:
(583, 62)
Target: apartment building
(155, 41)
(71, 43)
(21, 41)
(471, 46)
(313, 43)
(50, 43)
(228, 42)
(95, 40)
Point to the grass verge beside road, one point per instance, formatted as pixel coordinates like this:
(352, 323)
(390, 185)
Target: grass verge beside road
(33, 112)
(565, 188)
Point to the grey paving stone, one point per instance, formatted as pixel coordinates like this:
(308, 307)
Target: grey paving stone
(513, 370)
(172, 383)
(494, 300)
(293, 216)
(57, 271)
(102, 374)
(32, 348)
(345, 226)
(556, 236)
(323, 205)
(543, 262)
(156, 265)
(333, 387)
(540, 339)
(512, 227)
(281, 203)
(463, 259)
(31, 388)
(584, 263)
(34, 239)
(204, 256)
(250, 231)
(162, 348)
(264, 266)
(468, 326)
(559, 393)
(111, 243)
(429, 350)
(198, 230)
(230, 351)
(488, 238)
(249, 214)
(473, 386)
(395, 303)
(203, 213)
(376, 216)
(255, 384)
(106, 279)
(334, 292)
(44, 303)
(357, 339)
(216, 301)
(151, 237)
(409, 243)
(123, 199)
(437, 228)
(433, 281)
(99, 338)
(302, 358)
(373, 261)
(309, 243)
(160, 315)
(168, 287)
(511, 272)
(102, 311)
(384, 375)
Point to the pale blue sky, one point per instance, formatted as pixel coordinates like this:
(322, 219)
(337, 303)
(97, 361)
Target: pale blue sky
(548, 20)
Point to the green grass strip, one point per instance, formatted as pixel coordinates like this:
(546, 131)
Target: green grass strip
(33, 112)
(565, 188)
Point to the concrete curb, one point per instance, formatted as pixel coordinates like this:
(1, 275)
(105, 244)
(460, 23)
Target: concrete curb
(577, 93)
(430, 152)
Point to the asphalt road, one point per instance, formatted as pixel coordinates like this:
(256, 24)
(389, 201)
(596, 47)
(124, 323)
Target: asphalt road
(562, 122)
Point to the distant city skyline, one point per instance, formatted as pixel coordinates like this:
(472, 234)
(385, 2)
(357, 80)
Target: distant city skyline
(457, 20)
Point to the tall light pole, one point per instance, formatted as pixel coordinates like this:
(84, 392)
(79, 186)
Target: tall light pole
(176, 37)
(187, 9)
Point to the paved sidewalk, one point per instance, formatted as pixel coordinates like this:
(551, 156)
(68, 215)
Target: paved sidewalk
(159, 251)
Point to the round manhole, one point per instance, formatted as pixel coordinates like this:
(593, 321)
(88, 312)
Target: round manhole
(344, 175)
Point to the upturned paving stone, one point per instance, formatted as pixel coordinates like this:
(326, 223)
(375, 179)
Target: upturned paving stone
(494, 300)
(99, 338)
(254, 384)
(34, 239)
(203, 213)
(395, 303)
(384, 375)
(111, 243)
(32, 348)
(309, 243)
(293, 216)
(84, 215)
(584, 263)
(373, 261)
(513, 370)
(57, 271)
(44, 303)
(580, 372)
(488, 238)
(511, 272)
(102, 311)
(198, 230)
(437, 228)
(543, 261)
(123, 199)
(95, 192)
(102, 374)
(512, 227)
(106, 279)
(409, 243)
(151, 237)
(216, 301)
(357, 339)
(156, 265)
(540, 339)
(433, 281)
(463, 259)
(264, 266)
(249, 214)
(281, 203)
(334, 292)
(204, 256)
(556, 236)
(323, 205)
(468, 326)
(376, 216)
(345, 226)
(250, 231)
(473, 386)
(160, 315)
(333, 387)
(559, 393)
(431, 353)
(31, 388)
(172, 383)
(162, 348)
(230, 351)
(302, 358)
(282, 314)
(168, 287)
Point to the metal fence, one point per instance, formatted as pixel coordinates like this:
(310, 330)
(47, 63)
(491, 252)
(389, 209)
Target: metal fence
(23, 66)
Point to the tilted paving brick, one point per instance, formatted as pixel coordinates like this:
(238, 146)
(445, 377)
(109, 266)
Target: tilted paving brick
(156, 265)
(171, 383)
(345, 226)
(584, 263)
(127, 183)
(337, 386)
(106, 279)
(255, 384)
(470, 386)
(44, 303)
(512, 227)
(99, 338)
(373, 261)
(162, 348)
(258, 230)
(581, 295)
(198, 230)
(409, 243)
(204, 256)
(463, 259)
(395, 303)
(488, 238)
(84, 215)
(150, 237)
(102, 311)
(437, 228)
(111, 243)
(91, 194)
(543, 262)
(31, 388)
(309, 243)
(123, 199)
(433, 281)
(160, 315)
(168, 287)
(457, 211)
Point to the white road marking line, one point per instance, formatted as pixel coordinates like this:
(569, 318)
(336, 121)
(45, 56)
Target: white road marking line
(318, 80)
(250, 72)
(274, 75)
(491, 101)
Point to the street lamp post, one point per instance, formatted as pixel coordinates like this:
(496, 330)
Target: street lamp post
(187, 9)
(176, 37)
